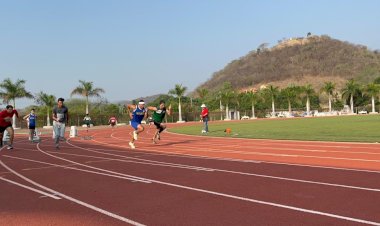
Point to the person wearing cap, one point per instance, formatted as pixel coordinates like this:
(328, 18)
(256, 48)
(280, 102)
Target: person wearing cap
(6, 124)
(204, 116)
(158, 116)
(31, 118)
(138, 113)
(60, 119)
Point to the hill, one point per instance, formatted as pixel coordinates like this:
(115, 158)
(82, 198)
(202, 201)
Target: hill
(313, 59)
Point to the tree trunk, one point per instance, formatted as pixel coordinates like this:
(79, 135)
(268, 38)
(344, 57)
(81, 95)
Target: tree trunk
(373, 104)
(307, 106)
(289, 107)
(253, 110)
(330, 108)
(14, 116)
(273, 112)
(352, 103)
(48, 118)
(220, 107)
(227, 112)
(179, 110)
(86, 104)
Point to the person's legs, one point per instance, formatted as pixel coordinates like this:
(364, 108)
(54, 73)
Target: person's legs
(205, 122)
(11, 136)
(57, 131)
(62, 132)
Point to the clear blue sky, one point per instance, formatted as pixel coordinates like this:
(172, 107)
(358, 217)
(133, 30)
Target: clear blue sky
(141, 48)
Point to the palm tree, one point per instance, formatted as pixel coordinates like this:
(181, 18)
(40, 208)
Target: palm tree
(308, 91)
(47, 100)
(11, 91)
(350, 90)
(372, 90)
(227, 96)
(290, 93)
(252, 97)
(329, 88)
(272, 91)
(202, 93)
(87, 90)
(178, 92)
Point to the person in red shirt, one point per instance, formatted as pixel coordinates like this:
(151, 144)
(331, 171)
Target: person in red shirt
(6, 124)
(204, 116)
(112, 121)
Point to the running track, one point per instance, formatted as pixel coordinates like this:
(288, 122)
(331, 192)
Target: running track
(188, 180)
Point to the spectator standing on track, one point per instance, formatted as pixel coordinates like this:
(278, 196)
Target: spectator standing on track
(31, 119)
(138, 113)
(204, 116)
(6, 124)
(158, 116)
(60, 119)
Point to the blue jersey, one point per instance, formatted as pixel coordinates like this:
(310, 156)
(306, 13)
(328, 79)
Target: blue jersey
(138, 114)
(32, 120)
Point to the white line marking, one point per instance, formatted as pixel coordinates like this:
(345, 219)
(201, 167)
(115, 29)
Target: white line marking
(30, 188)
(83, 170)
(228, 171)
(105, 212)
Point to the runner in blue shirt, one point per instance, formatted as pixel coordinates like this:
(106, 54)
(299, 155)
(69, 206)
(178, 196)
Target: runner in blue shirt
(138, 113)
(31, 118)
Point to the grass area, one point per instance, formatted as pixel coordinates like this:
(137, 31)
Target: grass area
(359, 128)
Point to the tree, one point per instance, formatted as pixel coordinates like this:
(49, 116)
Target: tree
(11, 91)
(272, 91)
(227, 96)
(178, 92)
(290, 94)
(252, 97)
(87, 90)
(350, 90)
(202, 93)
(47, 100)
(308, 91)
(328, 88)
(372, 90)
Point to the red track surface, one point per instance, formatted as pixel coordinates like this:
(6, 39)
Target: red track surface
(188, 180)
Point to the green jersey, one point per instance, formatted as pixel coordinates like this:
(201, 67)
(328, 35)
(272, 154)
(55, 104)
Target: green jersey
(159, 115)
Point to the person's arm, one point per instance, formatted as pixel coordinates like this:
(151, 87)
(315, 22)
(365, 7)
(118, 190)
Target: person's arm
(152, 108)
(54, 116)
(129, 108)
(26, 117)
(169, 112)
(67, 117)
(16, 113)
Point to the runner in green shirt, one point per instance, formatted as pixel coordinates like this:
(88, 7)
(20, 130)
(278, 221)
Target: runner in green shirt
(158, 116)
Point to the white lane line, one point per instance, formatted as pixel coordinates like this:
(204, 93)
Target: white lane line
(30, 188)
(156, 152)
(91, 167)
(77, 169)
(185, 155)
(225, 171)
(252, 200)
(97, 209)
(144, 161)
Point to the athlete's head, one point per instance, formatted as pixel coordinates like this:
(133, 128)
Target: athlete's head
(162, 104)
(60, 101)
(32, 111)
(141, 104)
(9, 108)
